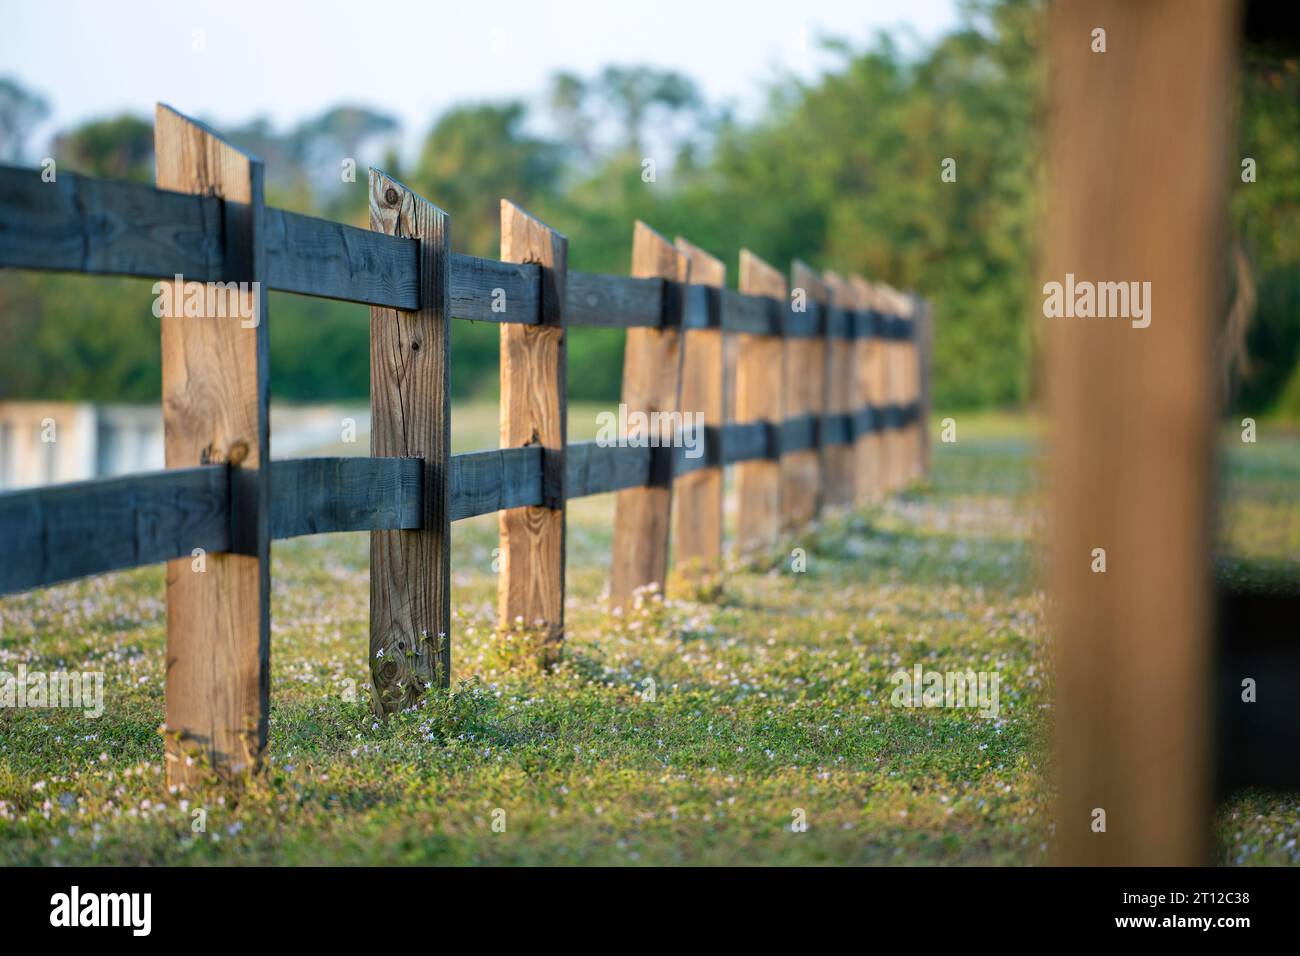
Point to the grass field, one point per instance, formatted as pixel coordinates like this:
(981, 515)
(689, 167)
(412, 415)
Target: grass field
(770, 705)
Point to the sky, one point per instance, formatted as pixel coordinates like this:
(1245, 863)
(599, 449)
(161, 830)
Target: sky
(229, 60)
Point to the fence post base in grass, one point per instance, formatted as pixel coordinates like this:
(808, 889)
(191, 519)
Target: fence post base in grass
(697, 496)
(215, 402)
(410, 412)
(530, 588)
(760, 377)
(652, 365)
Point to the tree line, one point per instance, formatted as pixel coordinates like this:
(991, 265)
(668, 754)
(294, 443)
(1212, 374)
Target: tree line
(921, 168)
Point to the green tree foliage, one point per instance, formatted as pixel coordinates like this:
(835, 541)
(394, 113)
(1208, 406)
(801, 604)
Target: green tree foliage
(1266, 220)
(118, 148)
(844, 171)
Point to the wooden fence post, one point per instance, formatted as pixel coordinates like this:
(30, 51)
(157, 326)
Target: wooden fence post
(652, 370)
(1136, 194)
(924, 311)
(760, 373)
(909, 389)
(805, 394)
(530, 589)
(215, 403)
(697, 496)
(895, 391)
(410, 417)
(871, 373)
(840, 399)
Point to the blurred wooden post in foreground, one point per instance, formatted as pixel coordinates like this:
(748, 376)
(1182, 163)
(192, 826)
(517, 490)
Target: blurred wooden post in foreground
(215, 411)
(530, 589)
(760, 376)
(410, 413)
(652, 368)
(697, 496)
(1137, 178)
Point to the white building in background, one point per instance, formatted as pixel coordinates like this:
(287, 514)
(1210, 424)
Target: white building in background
(46, 443)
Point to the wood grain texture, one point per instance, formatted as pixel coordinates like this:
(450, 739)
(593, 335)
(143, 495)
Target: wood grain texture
(323, 495)
(1136, 187)
(336, 261)
(215, 402)
(697, 496)
(79, 224)
(530, 589)
(62, 532)
(484, 482)
(805, 394)
(410, 417)
(478, 284)
(838, 459)
(760, 374)
(869, 374)
(652, 368)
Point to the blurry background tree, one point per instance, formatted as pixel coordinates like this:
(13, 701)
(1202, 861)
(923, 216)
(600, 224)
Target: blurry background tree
(844, 171)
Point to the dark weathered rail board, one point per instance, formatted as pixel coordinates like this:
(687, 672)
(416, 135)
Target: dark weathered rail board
(614, 302)
(484, 482)
(594, 469)
(78, 224)
(333, 260)
(82, 224)
(1258, 741)
(69, 531)
(320, 495)
(477, 285)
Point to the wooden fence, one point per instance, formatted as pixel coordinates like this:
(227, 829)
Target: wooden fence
(830, 393)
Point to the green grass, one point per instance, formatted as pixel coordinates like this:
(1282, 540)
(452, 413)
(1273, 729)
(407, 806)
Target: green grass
(772, 700)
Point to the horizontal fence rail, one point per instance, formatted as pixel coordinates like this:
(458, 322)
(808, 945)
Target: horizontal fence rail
(62, 532)
(682, 325)
(97, 227)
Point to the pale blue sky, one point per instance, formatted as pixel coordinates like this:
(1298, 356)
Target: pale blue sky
(288, 60)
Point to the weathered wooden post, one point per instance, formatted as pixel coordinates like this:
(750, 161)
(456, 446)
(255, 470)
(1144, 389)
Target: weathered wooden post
(924, 311)
(652, 367)
(909, 372)
(697, 496)
(410, 417)
(896, 386)
(530, 589)
(879, 390)
(760, 373)
(215, 403)
(866, 442)
(838, 459)
(805, 379)
(1137, 184)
